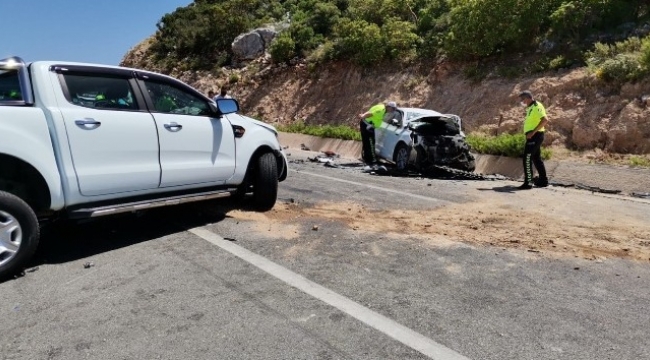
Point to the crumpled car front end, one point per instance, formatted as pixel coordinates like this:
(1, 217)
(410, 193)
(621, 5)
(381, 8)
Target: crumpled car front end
(439, 141)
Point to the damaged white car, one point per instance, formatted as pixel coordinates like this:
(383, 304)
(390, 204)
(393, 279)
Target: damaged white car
(421, 139)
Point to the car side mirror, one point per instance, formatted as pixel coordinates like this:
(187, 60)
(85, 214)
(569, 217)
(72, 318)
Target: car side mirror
(226, 106)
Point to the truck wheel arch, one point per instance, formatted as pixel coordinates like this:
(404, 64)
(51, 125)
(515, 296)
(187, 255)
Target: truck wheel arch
(259, 152)
(22, 179)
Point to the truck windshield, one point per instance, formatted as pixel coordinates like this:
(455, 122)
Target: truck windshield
(9, 86)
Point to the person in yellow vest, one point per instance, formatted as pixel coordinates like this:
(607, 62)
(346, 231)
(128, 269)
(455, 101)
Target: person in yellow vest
(369, 121)
(534, 128)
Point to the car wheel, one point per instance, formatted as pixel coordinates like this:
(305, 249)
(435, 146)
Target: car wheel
(265, 182)
(19, 233)
(401, 157)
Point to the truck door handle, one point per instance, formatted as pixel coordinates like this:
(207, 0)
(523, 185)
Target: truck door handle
(87, 122)
(173, 126)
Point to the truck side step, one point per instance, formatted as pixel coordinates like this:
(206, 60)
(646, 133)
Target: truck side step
(147, 204)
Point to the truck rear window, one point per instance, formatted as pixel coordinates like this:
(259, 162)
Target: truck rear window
(10, 86)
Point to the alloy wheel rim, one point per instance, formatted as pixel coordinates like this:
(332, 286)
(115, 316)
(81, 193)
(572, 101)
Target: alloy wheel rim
(11, 236)
(401, 158)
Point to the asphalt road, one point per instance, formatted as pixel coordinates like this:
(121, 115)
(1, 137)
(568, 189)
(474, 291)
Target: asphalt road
(203, 282)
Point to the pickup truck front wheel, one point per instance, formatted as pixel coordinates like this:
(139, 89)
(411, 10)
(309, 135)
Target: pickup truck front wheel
(265, 182)
(19, 233)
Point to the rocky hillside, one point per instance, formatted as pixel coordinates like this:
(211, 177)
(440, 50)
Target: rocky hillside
(585, 113)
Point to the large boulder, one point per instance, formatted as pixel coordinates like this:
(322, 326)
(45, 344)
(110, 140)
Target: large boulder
(267, 35)
(253, 44)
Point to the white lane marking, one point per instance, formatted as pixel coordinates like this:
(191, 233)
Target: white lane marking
(375, 320)
(421, 197)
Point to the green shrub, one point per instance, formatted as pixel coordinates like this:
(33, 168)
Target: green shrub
(367, 32)
(305, 38)
(233, 78)
(645, 53)
(324, 52)
(620, 62)
(343, 132)
(559, 62)
(485, 28)
(400, 40)
(639, 161)
(324, 17)
(282, 48)
(360, 41)
(621, 68)
(502, 145)
(574, 20)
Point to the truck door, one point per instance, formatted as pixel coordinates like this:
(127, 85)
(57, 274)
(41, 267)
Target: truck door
(195, 147)
(112, 140)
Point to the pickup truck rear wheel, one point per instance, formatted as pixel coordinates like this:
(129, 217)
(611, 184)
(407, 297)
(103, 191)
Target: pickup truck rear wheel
(19, 233)
(265, 182)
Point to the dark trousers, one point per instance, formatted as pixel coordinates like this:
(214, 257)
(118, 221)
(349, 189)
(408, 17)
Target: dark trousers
(368, 141)
(533, 155)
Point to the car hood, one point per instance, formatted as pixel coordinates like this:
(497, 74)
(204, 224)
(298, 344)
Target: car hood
(242, 120)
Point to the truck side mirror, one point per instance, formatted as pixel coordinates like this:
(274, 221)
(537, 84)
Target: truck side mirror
(227, 106)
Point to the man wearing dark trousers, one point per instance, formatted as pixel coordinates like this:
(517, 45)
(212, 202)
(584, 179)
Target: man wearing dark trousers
(534, 128)
(368, 122)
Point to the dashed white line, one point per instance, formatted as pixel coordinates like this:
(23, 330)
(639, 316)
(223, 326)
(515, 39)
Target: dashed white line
(371, 318)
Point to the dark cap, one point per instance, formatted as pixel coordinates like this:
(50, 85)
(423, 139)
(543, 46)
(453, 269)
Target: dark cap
(527, 94)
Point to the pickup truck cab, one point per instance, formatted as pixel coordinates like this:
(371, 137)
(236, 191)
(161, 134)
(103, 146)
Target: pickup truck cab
(84, 140)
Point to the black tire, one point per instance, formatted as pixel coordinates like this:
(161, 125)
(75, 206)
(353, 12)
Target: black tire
(265, 182)
(14, 208)
(402, 157)
(470, 166)
(471, 162)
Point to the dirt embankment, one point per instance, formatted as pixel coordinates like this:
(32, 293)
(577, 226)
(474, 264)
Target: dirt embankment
(585, 114)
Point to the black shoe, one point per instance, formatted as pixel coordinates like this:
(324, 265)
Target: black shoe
(541, 183)
(525, 186)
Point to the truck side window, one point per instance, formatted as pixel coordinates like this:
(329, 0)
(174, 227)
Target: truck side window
(9, 86)
(100, 92)
(171, 100)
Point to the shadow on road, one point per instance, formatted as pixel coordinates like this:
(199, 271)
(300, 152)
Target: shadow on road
(68, 241)
(501, 189)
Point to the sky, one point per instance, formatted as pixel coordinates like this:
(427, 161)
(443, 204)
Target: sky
(78, 30)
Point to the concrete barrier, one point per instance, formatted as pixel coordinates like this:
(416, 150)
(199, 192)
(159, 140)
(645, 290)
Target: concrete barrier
(485, 164)
(612, 177)
(346, 148)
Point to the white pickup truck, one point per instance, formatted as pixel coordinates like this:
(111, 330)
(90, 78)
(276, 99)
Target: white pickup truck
(82, 140)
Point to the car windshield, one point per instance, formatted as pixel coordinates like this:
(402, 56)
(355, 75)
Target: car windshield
(412, 115)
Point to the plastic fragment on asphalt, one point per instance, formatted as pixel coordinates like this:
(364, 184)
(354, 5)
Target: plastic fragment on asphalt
(641, 195)
(561, 184)
(597, 189)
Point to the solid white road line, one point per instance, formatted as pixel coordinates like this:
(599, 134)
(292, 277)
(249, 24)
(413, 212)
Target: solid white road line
(421, 197)
(375, 320)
